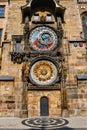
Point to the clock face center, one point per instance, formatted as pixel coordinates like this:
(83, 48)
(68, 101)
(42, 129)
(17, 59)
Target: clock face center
(43, 71)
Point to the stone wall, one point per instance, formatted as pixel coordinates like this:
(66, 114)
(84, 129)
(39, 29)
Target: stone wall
(76, 63)
(72, 25)
(82, 97)
(77, 99)
(54, 98)
(3, 21)
(8, 68)
(76, 59)
(7, 98)
(15, 26)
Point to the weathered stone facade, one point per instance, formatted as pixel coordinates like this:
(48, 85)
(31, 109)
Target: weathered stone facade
(19, 96)
(54, 102)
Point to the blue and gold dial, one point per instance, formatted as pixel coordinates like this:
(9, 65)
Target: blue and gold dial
(43, 38)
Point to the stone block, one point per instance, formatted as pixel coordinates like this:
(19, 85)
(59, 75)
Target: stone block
(10, 106)
(4, 113)
(17, 112)
(11, 113)
(85, 96)
(80, 96)
(23, 113)
(4, 106)
(71, 112)
(73, 96)
(83, 112)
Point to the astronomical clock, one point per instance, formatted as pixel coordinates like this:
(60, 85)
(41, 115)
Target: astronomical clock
(43, 39)
(43, 71)
(42, 56)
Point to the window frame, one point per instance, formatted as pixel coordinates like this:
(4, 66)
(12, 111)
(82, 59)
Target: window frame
(3, 11)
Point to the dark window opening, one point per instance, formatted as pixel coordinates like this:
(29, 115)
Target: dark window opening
(0, 35)
(2, 11)
(84, 24)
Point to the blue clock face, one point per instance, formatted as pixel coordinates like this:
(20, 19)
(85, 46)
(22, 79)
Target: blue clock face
(43, 39)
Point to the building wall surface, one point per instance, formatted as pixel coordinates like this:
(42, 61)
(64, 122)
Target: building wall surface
(13, 97)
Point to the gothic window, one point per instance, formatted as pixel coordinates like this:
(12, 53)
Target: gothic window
(2, 10)
(84, 24)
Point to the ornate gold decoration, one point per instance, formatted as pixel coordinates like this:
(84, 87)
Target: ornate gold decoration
(43, 72)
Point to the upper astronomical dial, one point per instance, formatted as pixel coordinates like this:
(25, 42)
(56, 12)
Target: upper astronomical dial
(43, 38)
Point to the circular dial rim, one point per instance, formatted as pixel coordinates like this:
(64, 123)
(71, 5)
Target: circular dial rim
(43, 72)
(38, 40)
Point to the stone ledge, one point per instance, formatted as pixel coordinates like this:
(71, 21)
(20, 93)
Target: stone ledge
(6, 78)
(82, 77)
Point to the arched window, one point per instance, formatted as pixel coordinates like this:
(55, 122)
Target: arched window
(84, 24)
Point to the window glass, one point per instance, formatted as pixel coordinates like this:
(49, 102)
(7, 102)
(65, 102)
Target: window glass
(18, 46)
(49, 17)
(36, 17)
(2, 9)
(0, 33)
(84, 24)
